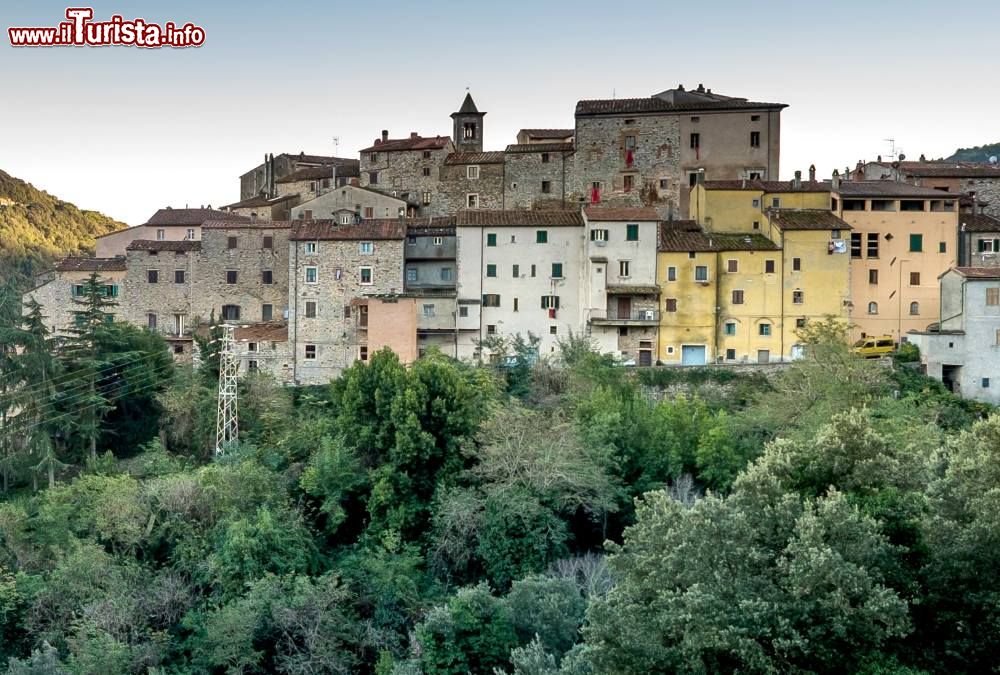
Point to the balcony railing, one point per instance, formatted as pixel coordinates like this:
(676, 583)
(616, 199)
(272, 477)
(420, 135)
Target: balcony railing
(639, 316)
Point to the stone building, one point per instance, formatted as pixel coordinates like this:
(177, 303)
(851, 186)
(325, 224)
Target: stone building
(262, 179)
(264, 208)
(544, 136)
(58, 290)
(334, 271)
(165, 225)
(621, 297)
(979, 183)
(243, 271)
(430, 277)
(518, 272)
(536, 175)
(979, 240)
(963, 351)
(407, 168)
(349, 203)
(650, 151)
(467, 127)
(159, 290)
(264, 348)
(471, 180)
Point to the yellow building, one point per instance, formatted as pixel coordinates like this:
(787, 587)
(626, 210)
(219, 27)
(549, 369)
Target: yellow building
(902, 238)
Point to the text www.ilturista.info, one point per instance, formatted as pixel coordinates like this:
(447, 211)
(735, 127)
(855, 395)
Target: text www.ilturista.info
(80, 31)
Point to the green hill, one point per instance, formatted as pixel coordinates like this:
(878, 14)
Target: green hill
(980, 153)
(35, 228)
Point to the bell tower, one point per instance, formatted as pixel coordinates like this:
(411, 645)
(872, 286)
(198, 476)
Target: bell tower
(467, 131)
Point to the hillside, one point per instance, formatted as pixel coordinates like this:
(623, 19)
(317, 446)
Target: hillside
(980, 153)
(36, 227)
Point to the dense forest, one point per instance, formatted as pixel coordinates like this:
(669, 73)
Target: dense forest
(541, 518)
(36, 228)
(980, 153)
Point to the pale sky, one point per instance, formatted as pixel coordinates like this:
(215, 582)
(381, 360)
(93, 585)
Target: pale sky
(126, 131)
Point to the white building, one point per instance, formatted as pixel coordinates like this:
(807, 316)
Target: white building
(964, 352)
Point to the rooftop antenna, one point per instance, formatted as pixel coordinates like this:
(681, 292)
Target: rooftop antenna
(227, 427)
(892, 148)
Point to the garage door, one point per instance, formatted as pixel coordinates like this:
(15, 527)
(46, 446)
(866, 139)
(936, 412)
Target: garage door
(693, 355)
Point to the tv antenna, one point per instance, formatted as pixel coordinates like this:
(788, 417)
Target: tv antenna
(892, 148)
(227, 427)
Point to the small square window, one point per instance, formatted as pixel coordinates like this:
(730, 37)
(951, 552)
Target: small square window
(310, 247)
(553, 330)
(231, 242)
(545, 158)
(268, 242)
(312, 275)
(426, 171)
(737, 297)
(541, 236)
(670, 305)
(365, 274)
(768, 267)
(986, 383)
(914, 278)
(463, 311)
(491, 270)
(732, 266)
(764, 329)
(701, 273)
(730, 328)
(428, 310)
(557, 271)
(797, 297)
(152, 276)
(472, 172)
(179, 276)
(266, 277)
(491, 239)
(310, 352)
(411, 274)
(730, 355)
(178, 349)
(231, 276)
(491, 329)
(366, 248)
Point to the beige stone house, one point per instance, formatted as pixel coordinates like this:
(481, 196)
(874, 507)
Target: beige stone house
(165, 225)
(58, 290)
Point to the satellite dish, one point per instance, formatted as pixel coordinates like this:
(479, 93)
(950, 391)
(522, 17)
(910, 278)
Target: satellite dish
(901, 157)
(993, 159)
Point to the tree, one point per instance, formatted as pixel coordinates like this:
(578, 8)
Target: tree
(548, 609)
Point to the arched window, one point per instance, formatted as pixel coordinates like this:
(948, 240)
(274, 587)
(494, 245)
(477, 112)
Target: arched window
(873, 308)
(914, 308)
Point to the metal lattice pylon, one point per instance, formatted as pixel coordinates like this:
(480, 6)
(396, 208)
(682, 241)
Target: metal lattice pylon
(227, 427)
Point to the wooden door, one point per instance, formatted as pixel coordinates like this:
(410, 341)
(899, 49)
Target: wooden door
(624, 307)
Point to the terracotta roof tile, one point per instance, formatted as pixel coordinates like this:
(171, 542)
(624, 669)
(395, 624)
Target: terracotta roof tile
(978, 222)
(806, 219)
(258, 225)
(950, 169)
(619, 214)
(547, 133)
(519, 218)
(189, 217)
(622, 106)
(348, 167)
(474, 158)
(890, 188)
(411, 143)
(677, 239)
(978, 272)
(258, 201)
(768, 185)
(78, 264)
(151, 245)
(539, 147)
(330, 230)
(262, 332)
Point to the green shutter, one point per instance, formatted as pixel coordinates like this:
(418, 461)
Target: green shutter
(916, 243)
(491, 270)
(491, 239)
(541, 237)
(557, 270)
(632, 233)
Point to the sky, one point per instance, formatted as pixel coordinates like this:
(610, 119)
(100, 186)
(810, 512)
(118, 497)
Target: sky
(126, 131)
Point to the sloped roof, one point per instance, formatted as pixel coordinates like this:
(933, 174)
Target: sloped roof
(348, 168)
(263, 332)
(258, 201)
(169, 216)
(436, 226)
(620, 214)
(258, 225)
(978, 272)
(540, 147)
(671, 100)
(518, 218)
(80, 264)
(547, 133)
(806, 219)
(414, 142)
(474, 158)
(151, 245)
(468, 107)
(331, 230)
(947, 169)
(890, 188)
(978, 222)
(768, 185)
(679, 239)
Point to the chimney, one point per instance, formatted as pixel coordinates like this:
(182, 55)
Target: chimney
(859, 172)
(812, 173)
(922, 158)
(680, 87)
(385, 135)
(835, 183)
(701, 88)
(413, 134)
(797, 183)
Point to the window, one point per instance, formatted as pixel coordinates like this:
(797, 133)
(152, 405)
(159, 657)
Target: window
(251, 346)
(598, 235)
(986, 383)
(872, 251)
(369, 212)
(732, 266)
(472, 201)
(472, 172)
(310, 353)
(550, 302)
(630, 142)
(178, 349)
(914, 309)
(266, 277)
(426, 171)
(268, 242)
(427, 154)
(161, 235)
(730, 328)
(231, 312)
(445, 274)
(755, 118)
(491, 270)
(411, 240)
(632, 232)
(491, 329)
(438, 241)
(152, 276)
(730, 355)
(701, 273)
(993, 297)
(411, 274)
(914, 278)
(624, 268)
(151, 321)
(178, 324)
(532, 271)
(252, 366)
(463, 311)
(231, 276)
(756, 224)
(775, 202)
(310, 247)
(800, 323)
(366, 248)
(754, 139)
(231, 242)
(764, 329)
(515, 304)
(178, 276)
(469, 130)
(664, 183)
(363, 352)
(695, 141)
(873, 308)
(755, 203)
(988, 245)
(692, 178)
(545, 158)
(670, 305)
(373, 177)
(855, 244)
(627, 183)
(312, 275)
(365, 275)
(873, 277)
(942, 247)
(916, 243)
(190, 233)
(541, 236)
(373, 156)
(768, 267)
(491, 239)
(553, 330)
(428, 310)
(546, 187)
(515, 271)
(671, 274)
(797, 297)
(557, 271)
(266, 312)
(426, 197)
(491, 300)
(796, 264)
(737, 297)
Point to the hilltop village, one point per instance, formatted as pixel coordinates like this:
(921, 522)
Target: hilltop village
(658, 227)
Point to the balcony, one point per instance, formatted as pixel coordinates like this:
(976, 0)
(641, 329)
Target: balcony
(616, 316)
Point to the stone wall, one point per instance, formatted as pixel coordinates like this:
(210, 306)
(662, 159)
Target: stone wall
(987, 190)
(402, 172)
(249, 260)
(525, 172)
(455, 186)
(164, 299)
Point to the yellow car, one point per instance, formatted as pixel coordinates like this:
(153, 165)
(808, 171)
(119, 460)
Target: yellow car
(874, 347)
